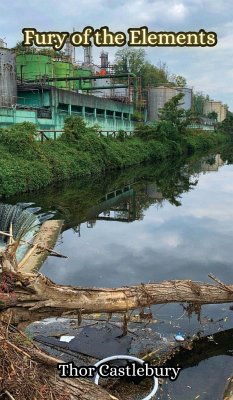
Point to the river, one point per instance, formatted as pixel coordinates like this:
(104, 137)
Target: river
(153, 223)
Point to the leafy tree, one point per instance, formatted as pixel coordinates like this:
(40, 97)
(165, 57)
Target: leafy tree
(198, 103)
(74, 129)
(226, 126)
(172, 124)
(20, 48)
(152, 75)
(179, 80)
(129, 60)
(173, 113)
(134, 61)
(212, 115)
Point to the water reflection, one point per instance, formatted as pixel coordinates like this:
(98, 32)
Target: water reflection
(126, 202)
(124, 228)
(155, 222)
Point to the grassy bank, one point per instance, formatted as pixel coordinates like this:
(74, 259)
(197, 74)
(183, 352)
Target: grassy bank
(26, 164)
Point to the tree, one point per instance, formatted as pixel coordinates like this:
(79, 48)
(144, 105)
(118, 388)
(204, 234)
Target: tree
(134, 61)
(20, 48)
(152, 75)
(198, 103)
(212, 115)
(48, 51)
(129, 60)
(179, 80)
(226, 126)
(173, 113)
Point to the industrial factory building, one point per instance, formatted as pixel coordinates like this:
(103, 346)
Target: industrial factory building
(44, 89)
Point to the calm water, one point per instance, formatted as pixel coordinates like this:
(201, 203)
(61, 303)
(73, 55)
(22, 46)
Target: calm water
(150, 224)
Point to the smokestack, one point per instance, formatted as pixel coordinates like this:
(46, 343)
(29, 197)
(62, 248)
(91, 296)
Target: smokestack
(69, 50)
(104, 59)
(88, 55)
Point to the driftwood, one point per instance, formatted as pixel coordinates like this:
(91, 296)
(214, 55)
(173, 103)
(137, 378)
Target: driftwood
(33, 296)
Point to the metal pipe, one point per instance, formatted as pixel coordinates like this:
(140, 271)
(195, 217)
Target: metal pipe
(92, 77)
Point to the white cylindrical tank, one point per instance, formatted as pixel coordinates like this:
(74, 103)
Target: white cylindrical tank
(186, 101)
(210, 106)
(157, 97)
(8, 85)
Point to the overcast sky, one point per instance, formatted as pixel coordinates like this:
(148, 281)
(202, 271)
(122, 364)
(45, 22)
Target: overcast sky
(209, 70)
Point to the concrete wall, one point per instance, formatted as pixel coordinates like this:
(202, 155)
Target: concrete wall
(107, 114)
(67, 97)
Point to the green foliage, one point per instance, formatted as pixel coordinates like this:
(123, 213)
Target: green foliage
(129, 60)
(137, 116)
(26, 164)
(213, 115)
(198, 101)
(121, 135)
(167, 130)
(18, 175)
(179, 80)
(199, 140)
(173, 114)
(47, 51)
(74, 129)
(134, 60)
(146, 132)
(20, 140)
(226, 126)
(152, 75)
(171, 125)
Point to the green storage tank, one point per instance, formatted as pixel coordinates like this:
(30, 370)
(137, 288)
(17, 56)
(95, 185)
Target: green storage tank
(33, 66)
(64, 69)
(83, 73)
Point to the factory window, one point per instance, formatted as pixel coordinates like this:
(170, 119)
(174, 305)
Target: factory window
(44, 113)
(99, 112)
(63, 107)
(118, 114)
(110, 113)
(89, 111)
(76, 110)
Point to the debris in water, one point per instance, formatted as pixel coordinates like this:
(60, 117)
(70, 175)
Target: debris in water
(179, 337)
(66, 338)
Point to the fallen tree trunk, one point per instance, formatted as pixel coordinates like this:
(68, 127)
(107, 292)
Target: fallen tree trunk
(33, 296)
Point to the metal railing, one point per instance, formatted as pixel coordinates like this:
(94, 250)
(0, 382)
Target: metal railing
(42, 134)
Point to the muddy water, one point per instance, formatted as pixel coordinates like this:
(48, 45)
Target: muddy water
(170, 221)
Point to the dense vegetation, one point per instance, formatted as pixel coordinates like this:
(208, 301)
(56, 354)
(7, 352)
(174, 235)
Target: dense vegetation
(26, 164)
(128, 59)
(226, 126)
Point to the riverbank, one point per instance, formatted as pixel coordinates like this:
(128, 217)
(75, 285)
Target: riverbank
(27, 164)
